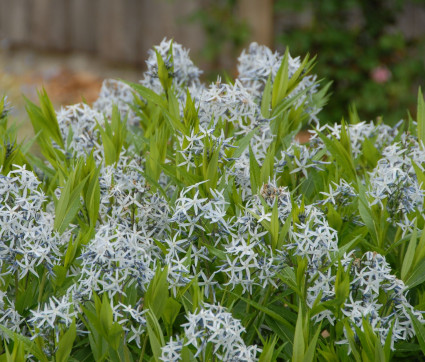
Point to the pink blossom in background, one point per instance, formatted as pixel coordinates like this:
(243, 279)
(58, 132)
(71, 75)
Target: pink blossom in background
(380, 74)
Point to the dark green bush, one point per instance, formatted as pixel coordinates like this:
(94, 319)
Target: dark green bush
(361, 50)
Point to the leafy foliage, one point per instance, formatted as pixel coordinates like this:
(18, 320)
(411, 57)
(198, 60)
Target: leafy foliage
(180, 221)
(358, 51)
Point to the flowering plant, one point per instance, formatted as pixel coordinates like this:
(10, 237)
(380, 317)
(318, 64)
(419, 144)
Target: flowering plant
(174, 220)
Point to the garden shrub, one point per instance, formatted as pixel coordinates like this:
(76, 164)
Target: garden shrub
(174, 220)
(363, 50)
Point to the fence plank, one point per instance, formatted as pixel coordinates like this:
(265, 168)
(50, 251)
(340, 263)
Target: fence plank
(259, 15)
(3, 27)
(118, 29)
(124, 30)
(14, 21)
(50, 24)
(83, 25)
(411, 21)
(169, 19)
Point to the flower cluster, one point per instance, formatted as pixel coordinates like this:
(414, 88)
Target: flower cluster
(28, 239)
(340, 194)
(212, 324)
(29, 244)
(394, 179)
(119, 94)
(379, 135)
(178, 63)
(78, 124)
(259, 63)
(313, 238)
(230, 102)
(203, 229)
(370, 279)
(371, 275)
(195, 145)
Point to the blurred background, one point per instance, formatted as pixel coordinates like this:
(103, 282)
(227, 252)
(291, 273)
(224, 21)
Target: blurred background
(372, 50)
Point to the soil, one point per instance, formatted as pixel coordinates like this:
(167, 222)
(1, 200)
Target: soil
(67, 78)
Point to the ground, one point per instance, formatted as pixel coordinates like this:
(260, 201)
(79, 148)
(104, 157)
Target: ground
(67, 78)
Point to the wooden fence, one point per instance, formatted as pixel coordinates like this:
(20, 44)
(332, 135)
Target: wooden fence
(123, 30)
(116, 30)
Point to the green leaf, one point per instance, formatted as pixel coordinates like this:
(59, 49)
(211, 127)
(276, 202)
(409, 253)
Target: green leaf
(171, 311)
(92, 197)
(341, 155)
(174, 108)
(191, 119)
(254, 171)
(283, 232)
(286, 104)
(266, 171)
(284, 332)
(65, 344)
(156, 337)
(106, 317)
(388, 342)
(420, 250)
(274, 226)
(148, 94)
(419, 330)
(305, 67)
(417, 277)
(266, 99)
(83, 237)
(309, 354)
(156, 295)
(187, 355)
(410, 254)
(421, 117)
(43, 118)
(420, 175)
(299, 343)
(30, 346)
(288, 277)
(265, 310)
(180, 176)
(268, 350)
(113, 136)
(212, 170)
(370, 152)
(365, 211)
(97, 338)
(163, 72)
(352, 342)
(368, 338)
(174, 122)
(280, 84)
(242, 143)
(18, 353)
(407, 347)
(321, 98)
(342, 284)
(69, 203)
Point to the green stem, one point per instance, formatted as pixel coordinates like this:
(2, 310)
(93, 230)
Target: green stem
(26, 281)
(142, 354)
(16, 285)
(41, 287)
(263, 300)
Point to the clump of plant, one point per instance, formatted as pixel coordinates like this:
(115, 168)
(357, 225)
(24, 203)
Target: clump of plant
(174, 220)
(363, 51)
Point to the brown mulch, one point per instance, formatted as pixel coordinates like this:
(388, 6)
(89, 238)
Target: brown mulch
(69, 87)
(303, 136)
